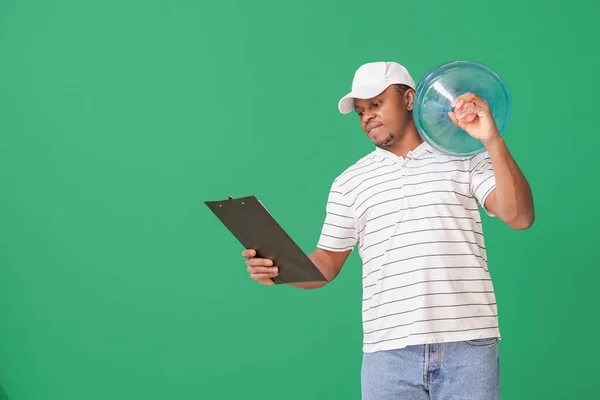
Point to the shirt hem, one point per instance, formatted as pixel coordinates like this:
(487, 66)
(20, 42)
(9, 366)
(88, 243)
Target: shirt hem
(433, 338)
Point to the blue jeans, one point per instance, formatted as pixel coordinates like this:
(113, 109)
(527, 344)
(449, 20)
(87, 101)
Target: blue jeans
(467, 370)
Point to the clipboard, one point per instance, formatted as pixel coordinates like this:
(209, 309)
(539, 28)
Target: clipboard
(255, 228)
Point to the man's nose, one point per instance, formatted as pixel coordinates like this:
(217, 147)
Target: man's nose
(367, 116)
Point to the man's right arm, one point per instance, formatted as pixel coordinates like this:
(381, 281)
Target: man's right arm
(339, 235)
(328, 262)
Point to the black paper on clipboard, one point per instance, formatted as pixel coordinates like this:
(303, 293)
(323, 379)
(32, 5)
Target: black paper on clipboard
(255, 228)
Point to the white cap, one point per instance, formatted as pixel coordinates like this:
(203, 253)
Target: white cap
(372, 79)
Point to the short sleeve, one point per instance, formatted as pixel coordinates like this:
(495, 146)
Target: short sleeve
(481, 179)
(339, 231)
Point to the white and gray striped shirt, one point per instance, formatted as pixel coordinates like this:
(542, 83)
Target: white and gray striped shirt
(417, 225)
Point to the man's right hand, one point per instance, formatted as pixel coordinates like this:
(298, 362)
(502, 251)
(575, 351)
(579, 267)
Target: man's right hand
(261, 270)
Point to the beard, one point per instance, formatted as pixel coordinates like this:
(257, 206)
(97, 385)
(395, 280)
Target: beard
(386, 141)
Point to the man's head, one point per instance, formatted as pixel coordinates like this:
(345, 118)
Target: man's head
(382, 95)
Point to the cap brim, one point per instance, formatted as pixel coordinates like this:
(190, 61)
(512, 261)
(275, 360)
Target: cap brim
(346, 104)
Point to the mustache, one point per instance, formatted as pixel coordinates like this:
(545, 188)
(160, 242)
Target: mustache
(372, 125)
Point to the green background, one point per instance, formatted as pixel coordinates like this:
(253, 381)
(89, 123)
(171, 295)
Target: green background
(119, 118)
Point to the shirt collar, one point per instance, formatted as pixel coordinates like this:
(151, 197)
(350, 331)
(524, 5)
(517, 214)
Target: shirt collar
(420, 149)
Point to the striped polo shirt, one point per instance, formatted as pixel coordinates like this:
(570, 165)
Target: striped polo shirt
(417, 226)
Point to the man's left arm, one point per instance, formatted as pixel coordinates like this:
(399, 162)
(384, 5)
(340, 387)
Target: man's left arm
(511, 200)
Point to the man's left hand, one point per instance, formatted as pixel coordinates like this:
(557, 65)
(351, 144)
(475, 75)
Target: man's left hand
(472, 114)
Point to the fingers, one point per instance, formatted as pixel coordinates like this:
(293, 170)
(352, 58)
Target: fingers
(271, 271)
(468, 98)
(463, 120)
(467, 112)
(463, 98)
(455, 121)
(261, 274)
(259, 262)
(261, 266)
(460, 111)
(261, 270)
(468, 118)
(258, 273)
(248, 253)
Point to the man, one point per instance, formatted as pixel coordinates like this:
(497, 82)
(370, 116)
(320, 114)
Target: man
(430, 319)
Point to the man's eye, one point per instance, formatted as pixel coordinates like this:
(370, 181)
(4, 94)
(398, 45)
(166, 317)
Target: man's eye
(360, 114)
(376, 105)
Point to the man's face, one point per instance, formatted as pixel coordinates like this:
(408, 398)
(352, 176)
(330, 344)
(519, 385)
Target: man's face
(384, 118)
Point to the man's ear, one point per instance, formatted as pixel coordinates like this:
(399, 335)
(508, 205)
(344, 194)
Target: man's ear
(409, 98)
